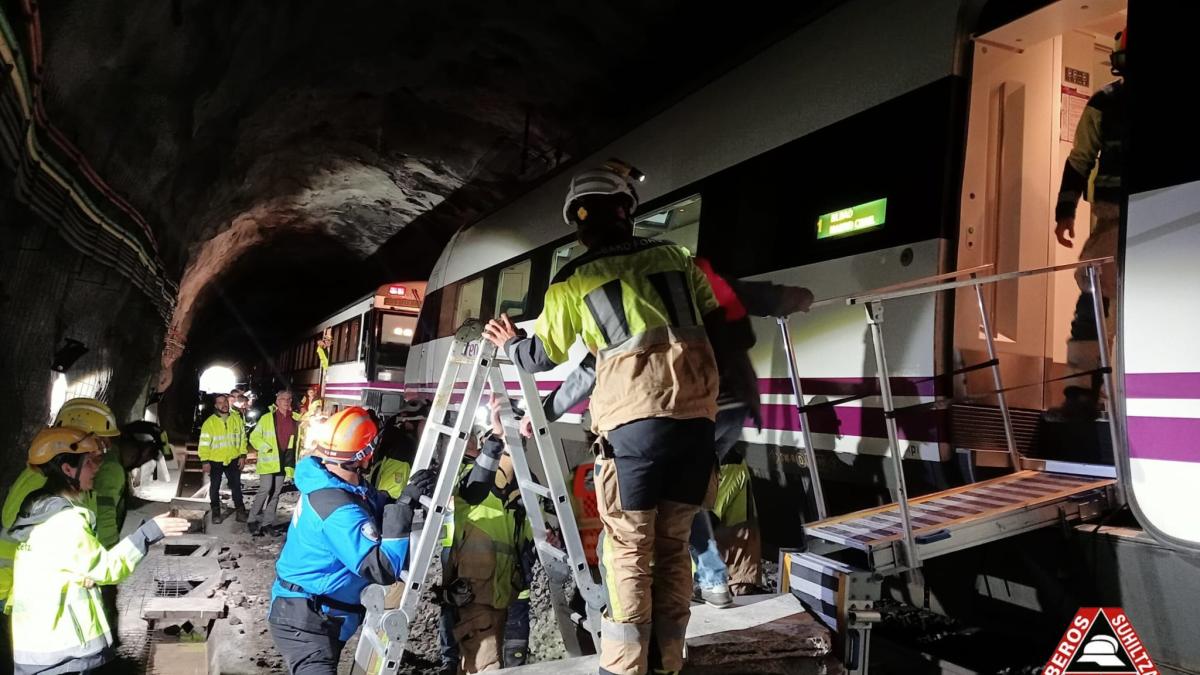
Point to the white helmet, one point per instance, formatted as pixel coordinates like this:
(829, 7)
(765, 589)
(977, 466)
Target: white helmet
(613, 178)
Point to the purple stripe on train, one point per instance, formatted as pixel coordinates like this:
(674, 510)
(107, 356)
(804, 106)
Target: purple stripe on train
(1162, 385)
(1174, 439)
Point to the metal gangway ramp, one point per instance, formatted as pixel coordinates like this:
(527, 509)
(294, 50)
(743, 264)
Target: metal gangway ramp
(838, 576)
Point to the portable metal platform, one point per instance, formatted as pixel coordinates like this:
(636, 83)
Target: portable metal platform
(959, 518)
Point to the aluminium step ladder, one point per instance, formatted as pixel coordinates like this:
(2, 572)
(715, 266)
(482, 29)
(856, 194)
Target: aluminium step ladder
(473, 363)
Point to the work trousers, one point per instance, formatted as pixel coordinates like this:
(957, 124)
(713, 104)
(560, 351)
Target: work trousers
(1083, 349)
(480, 636)
(307, 638)
(232, 474)
(651, 477)
(266, 502)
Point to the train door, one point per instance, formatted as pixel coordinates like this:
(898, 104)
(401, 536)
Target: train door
(1030, 81)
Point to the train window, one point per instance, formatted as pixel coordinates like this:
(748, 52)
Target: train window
(679, 223)
(563, 255)
(396, 334)
(513, 294)
(470, 301)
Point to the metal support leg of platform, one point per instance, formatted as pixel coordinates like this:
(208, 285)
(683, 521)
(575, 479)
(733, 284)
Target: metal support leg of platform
(810, 450)
(1114, 418)
(909, 544)
(1013, 458)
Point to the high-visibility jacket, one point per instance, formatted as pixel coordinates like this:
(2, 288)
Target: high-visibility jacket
(58, 619)
(222, 439)
(489, 535)
(28, 481)
(390, 475)
(109, 489)
(264, 440)
(639, 307)
(734, 504)
(1094, 165)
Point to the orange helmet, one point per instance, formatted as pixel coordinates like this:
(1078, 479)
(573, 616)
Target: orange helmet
(348, 436)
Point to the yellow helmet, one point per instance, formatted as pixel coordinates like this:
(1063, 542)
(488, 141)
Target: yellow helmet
(88, 414)
(54, 441)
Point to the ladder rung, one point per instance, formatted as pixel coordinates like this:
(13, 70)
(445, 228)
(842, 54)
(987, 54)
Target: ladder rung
(556, 553)
(538, 489)
(443, 429)
(427, 502)
(462, 360)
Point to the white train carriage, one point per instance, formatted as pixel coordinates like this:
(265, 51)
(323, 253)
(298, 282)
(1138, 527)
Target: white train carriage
(370, 341)
(881, 144)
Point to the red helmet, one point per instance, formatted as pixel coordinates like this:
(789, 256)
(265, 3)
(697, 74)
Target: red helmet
(347, 436)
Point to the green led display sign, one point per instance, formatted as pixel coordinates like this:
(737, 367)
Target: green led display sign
(854, 220)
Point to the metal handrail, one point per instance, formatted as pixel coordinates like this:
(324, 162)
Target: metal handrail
(842, 299)
(872, 301)
(886, 294)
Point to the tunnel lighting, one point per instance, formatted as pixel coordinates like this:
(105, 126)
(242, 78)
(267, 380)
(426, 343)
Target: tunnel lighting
(58, 394)
(218, 379)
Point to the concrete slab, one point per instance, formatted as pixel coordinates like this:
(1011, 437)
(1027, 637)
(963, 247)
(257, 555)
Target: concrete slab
(760, 634)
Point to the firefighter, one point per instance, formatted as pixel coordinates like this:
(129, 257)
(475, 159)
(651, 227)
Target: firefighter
(1093, 170)
(60, 565)
(223, 448)
(486, 584)
(639, 306)
(398, 447)
(343, 537)
(274, 439)
(85, 414)
(725, 542)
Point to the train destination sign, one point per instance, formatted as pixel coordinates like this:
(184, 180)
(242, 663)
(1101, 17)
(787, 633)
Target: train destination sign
(854, 220)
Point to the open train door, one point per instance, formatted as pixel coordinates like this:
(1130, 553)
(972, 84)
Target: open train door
(1160, 313)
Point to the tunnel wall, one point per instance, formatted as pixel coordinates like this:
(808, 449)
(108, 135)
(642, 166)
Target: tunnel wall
(49, 291)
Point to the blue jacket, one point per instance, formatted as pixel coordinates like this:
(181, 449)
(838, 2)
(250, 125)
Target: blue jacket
(333, 548)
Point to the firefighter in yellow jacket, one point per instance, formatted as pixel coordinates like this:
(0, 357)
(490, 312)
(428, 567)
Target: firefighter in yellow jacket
(486, 575)
(639, 306)
(274, 438)
(223, 447)
(85, 414)
(58, 622)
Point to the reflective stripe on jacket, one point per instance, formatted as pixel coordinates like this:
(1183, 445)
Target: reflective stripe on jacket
(222, 440)
(264, 441)
(58, 619)
(639, 307)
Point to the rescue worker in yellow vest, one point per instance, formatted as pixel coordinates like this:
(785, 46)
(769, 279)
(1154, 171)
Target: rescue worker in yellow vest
(222, 448)
(1093, 170)
(274, 438)
(58, 624)
(398, 447)
(84, 414)
(485, 577)
(639, 306)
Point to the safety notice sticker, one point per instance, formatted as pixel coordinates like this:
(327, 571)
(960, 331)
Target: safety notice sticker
(1100, 641)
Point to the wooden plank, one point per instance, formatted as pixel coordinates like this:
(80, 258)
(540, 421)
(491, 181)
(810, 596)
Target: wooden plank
(201, 609)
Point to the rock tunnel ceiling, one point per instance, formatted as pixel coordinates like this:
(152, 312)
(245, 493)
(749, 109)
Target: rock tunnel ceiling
(288, 156)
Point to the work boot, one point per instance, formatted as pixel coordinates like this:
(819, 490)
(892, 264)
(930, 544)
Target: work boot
(241, 515)
(717, 596)
(217, 516)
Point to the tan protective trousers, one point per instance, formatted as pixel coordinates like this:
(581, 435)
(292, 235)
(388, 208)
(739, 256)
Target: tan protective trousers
(480, 636)
(648, 573)
(1101, 242)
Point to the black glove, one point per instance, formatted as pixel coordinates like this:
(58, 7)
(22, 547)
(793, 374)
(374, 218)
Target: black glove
(398, 517)
(457, 594)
